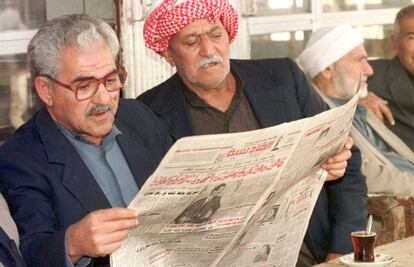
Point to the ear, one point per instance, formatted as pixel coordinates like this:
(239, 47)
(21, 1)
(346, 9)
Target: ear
(168, 56)
(44, 89)
(327, 73)
(394, 44)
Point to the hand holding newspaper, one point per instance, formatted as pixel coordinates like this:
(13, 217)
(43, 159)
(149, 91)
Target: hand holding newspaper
(235, 199)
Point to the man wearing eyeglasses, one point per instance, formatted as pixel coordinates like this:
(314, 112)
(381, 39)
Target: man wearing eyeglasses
(71, 170)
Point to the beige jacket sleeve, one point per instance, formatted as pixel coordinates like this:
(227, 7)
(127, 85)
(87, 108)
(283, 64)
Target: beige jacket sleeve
(6, 221)
(382, 176)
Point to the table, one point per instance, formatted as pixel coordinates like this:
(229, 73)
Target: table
(401, 250)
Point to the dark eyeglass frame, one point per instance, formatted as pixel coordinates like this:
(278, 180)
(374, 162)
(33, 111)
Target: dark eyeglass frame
(121, 72)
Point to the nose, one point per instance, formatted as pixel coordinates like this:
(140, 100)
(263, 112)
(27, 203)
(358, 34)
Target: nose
(367, 69)
(206, 47)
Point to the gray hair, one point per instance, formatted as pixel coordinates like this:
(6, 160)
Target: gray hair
(65, 31)
(407, 11)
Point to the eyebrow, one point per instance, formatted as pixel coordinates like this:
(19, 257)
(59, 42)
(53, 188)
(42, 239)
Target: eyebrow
(362, 57)
(86, 78)
(215, 28)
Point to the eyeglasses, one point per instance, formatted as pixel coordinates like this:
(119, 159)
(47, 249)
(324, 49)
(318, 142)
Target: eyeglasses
(87, 88)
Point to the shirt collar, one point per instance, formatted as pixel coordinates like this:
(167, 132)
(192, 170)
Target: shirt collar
(361, 110)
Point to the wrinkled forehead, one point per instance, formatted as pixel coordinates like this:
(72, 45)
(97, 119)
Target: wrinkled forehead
(356, 53)
(199, 27)
(406, 24)
(96, 60)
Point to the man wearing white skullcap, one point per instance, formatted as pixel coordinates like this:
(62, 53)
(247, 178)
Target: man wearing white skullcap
(212, 94)
(336, 61)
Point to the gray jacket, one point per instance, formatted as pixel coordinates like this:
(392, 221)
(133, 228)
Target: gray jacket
(392, 83)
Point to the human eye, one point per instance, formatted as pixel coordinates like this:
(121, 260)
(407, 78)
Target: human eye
(85, 86)
(217, 34)
(113, 82)
(407, 36)
(113, 78)
(191, 42)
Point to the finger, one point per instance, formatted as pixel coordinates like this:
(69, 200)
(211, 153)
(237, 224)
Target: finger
(117, 225)
(334, 175)
(378, 100)
(378, 114)
(387, 113)
(115, 214)
(349, 143)
(344, 155)
(108, 249)
(335, 166)
(113, 237)
(330, 178)
(95, 226)
(104, 250)
(382, 101)
(373, 98)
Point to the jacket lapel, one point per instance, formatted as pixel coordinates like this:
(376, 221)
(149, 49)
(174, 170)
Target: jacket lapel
(76, 176)
(80, 182)
(139, 159)
(264, 98)
(170, 106)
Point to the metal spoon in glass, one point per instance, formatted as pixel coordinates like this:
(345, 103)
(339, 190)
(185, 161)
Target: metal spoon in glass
(369, 225)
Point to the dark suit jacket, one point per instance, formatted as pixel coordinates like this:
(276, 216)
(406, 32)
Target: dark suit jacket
(9, 254)
(48, 187)
(392, 82)
(278, 92)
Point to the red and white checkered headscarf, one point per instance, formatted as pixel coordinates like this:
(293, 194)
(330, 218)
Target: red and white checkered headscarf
(170, 17)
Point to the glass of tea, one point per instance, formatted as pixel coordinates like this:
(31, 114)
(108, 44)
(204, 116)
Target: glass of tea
(363, 246)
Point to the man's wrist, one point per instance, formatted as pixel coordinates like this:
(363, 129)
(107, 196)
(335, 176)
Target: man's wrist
(71, 248)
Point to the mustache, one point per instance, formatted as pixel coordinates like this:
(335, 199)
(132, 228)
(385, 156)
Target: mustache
(205, 61)
(97, 109)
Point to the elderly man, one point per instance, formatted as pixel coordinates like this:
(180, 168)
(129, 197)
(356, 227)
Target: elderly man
(336, 61)
(212, 94)
(393, 79)
(70, 171)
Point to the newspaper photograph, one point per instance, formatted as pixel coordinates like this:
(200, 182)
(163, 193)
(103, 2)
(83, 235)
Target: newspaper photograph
(240, 199)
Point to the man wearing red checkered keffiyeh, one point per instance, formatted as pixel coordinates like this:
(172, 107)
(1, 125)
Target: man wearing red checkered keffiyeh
(170, 16)
(212, 94)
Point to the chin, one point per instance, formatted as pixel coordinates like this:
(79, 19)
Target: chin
(216, 82)
(102, 130)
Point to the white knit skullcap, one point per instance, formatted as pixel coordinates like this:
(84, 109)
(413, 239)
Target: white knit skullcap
(326, 46)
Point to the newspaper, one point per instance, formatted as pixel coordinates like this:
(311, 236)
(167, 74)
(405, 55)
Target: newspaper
(242, 199)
